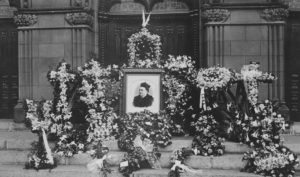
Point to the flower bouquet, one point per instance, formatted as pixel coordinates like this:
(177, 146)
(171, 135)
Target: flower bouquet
(271, 161)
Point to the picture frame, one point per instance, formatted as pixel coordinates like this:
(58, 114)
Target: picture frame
(139, 81)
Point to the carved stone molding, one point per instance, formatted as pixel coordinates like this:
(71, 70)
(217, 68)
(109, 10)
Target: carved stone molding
(216, 15)
(80, 3)
(79, 18)
(275, 14)
(126, 7)
(25, 19)
(148, 3)
(170, 5)
(5, 10)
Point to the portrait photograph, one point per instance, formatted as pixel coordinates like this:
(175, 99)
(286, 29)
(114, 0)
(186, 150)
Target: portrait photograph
(142, 91)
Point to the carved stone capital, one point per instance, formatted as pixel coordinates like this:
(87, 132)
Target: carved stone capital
(216, 15)
(79, 18)
(25, 19)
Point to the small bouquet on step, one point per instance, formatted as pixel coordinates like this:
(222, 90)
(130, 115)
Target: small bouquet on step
(100, 163)
(177, 160)
(142, 155)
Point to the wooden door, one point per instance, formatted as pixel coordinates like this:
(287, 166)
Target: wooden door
(8, 68)
(176, 37)
(293, 66)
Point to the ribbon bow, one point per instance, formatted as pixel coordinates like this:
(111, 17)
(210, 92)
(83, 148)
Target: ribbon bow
(145, 21)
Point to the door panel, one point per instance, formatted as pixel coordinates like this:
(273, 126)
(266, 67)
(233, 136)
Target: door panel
(8, 69)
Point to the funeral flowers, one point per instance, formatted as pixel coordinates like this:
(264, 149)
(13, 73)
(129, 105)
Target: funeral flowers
(100, 99)
(214, 78)
(144, 49)
(271, 161)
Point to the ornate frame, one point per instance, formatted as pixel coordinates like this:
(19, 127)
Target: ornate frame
(141, 72)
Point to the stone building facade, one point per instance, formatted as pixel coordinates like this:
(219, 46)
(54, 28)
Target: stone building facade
(47, 32)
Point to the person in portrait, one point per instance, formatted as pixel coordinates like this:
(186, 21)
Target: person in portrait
(143, 99)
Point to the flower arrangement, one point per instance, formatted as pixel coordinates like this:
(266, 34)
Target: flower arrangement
(143, 154)
(79, 18)
(214, 78)
(100, 163)
(251, 76)
(275, 14)
(179, 85)
(61, 79)
(177, 160)
(36, 116)
(134, 160)
(72, 142)
(153, 126)
(25, 19)
(100, 99)
(216, 15)
(271, 161)
(207, 140)
(37, 159)
(144, 49)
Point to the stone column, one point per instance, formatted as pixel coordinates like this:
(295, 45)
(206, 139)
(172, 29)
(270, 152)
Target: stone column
(52, 38)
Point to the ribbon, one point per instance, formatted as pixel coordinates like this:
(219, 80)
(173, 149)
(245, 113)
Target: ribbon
(184, 168)
(48, 150)
(96, 164)
(202, 99)
(145, 21)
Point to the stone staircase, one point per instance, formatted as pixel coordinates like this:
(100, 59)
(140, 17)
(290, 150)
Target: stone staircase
(15, 142)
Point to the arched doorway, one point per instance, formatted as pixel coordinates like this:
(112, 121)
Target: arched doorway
(8, 67)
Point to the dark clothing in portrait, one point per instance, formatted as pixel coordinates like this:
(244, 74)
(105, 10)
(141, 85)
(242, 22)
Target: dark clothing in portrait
(147, 101)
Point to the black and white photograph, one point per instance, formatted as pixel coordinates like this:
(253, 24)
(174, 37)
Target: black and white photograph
(142, 91)
(146, 88)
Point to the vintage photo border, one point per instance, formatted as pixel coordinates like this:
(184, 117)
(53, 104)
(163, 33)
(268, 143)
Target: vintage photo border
(127, 71)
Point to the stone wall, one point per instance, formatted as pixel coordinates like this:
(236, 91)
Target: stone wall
(246, 37)
(47, 42)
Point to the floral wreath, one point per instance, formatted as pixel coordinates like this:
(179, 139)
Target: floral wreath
(214, 78)
(144, 46)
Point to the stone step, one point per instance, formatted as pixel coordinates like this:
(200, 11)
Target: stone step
(59, 171)
(227, 161)
(10, 125)
(205, 173)
(178, 142)
(16, 139)
(81, 171)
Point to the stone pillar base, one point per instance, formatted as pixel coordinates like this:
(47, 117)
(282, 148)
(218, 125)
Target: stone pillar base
(284, 111)
(19, 113)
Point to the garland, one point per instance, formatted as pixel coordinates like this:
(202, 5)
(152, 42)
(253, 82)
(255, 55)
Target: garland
(144, 49)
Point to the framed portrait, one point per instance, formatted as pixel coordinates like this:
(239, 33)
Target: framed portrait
(142, 90)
